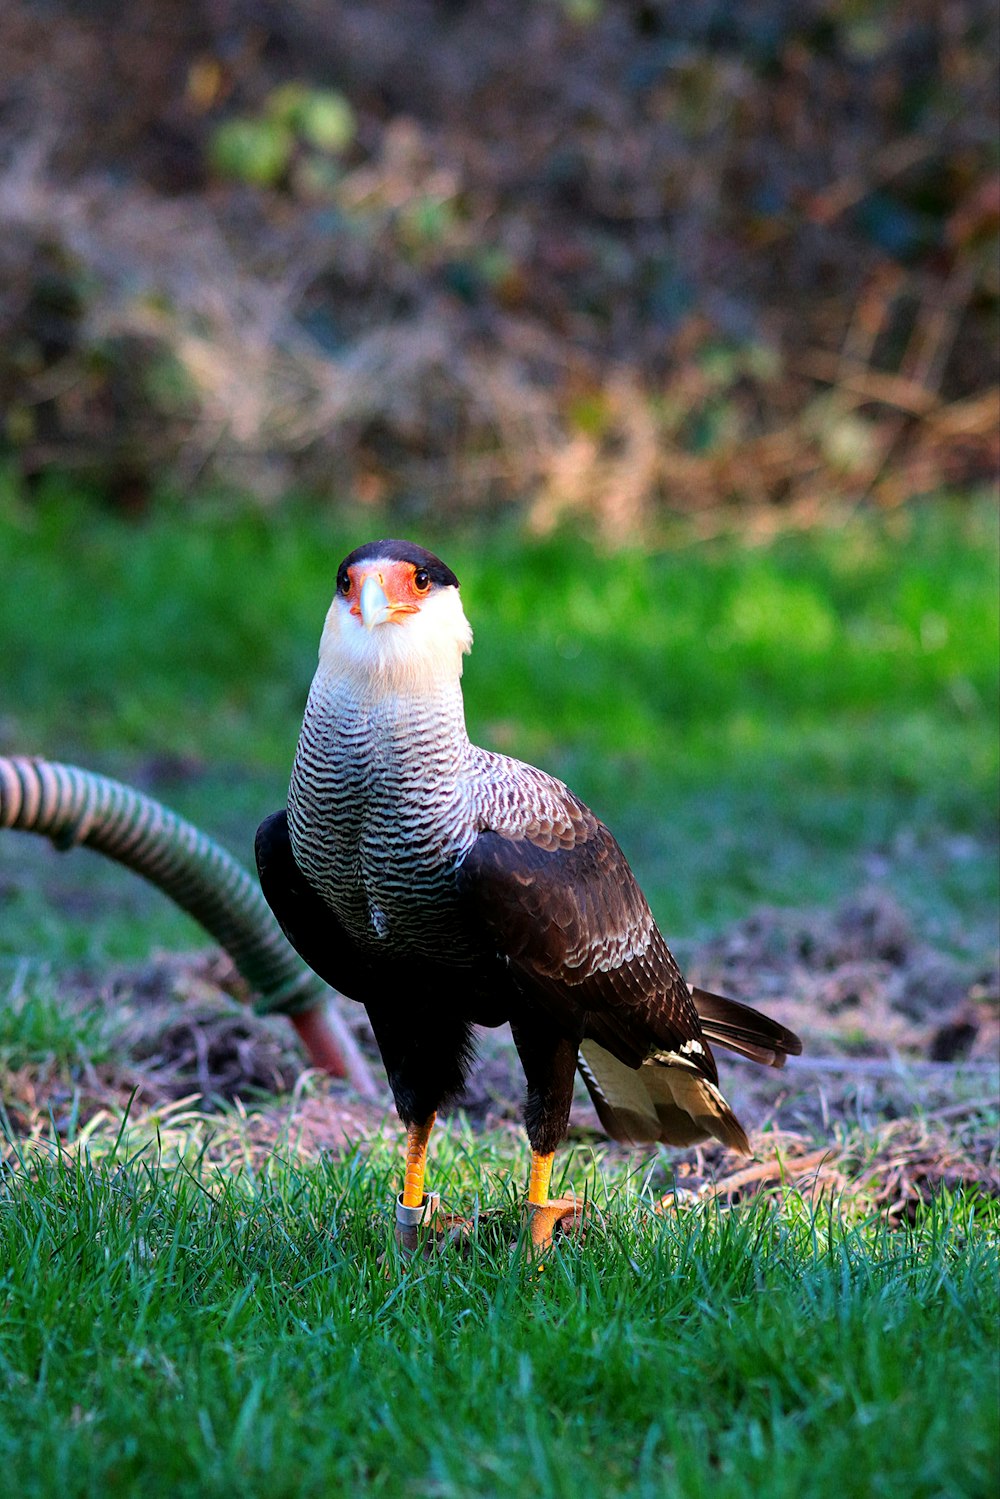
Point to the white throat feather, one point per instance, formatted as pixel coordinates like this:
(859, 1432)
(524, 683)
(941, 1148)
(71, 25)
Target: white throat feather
(418, 654)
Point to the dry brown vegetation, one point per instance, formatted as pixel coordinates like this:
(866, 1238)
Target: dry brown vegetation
(593, 258)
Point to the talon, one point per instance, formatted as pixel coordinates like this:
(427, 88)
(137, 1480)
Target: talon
(560, 1215)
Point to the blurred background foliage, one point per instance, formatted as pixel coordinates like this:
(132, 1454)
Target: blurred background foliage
(589, 260)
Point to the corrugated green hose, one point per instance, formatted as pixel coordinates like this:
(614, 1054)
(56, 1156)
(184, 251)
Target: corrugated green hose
(72, 806)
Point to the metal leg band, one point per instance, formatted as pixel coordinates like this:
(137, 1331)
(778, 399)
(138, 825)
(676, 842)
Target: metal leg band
(423, 1214)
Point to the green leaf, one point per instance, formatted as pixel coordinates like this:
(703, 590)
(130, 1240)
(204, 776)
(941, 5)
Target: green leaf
(321, 117)
(253, 151)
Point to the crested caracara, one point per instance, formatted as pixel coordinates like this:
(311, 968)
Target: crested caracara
(445, 887)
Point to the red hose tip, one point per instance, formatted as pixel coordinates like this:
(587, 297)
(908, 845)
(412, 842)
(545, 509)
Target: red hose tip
(319, 1042)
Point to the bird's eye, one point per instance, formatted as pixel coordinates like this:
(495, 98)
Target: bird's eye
(344, 584)
(421, 580)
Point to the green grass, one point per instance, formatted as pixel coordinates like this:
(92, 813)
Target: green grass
(758, 724)
(196, 635)
(187, 1332)
(37, 1027)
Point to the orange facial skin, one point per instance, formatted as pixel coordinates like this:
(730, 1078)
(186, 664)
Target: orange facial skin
(399, 582)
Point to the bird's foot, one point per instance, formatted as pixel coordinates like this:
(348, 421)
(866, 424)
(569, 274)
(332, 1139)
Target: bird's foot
(558, 1216)
(427, 1227)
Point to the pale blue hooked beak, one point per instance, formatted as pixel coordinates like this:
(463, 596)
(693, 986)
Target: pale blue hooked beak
(374, 605)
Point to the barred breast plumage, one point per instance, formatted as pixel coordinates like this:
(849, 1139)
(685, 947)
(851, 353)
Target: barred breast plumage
(381, 810)
(386, 798)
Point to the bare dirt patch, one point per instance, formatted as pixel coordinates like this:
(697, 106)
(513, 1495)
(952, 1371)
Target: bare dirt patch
(859, 980)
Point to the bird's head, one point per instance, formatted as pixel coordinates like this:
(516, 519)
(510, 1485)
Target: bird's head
(396, 621)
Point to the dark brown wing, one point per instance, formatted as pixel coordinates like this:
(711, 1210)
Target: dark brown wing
(576, 927)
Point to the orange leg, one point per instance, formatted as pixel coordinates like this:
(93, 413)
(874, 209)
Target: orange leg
(541, 1175)
(546, 1213)
(417, 1137)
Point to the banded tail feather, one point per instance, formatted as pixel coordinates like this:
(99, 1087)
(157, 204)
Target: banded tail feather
(744, 1030)
(666, 1099)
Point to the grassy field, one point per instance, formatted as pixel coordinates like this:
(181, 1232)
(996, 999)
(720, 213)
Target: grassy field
(178, 1332)
(779, 723)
